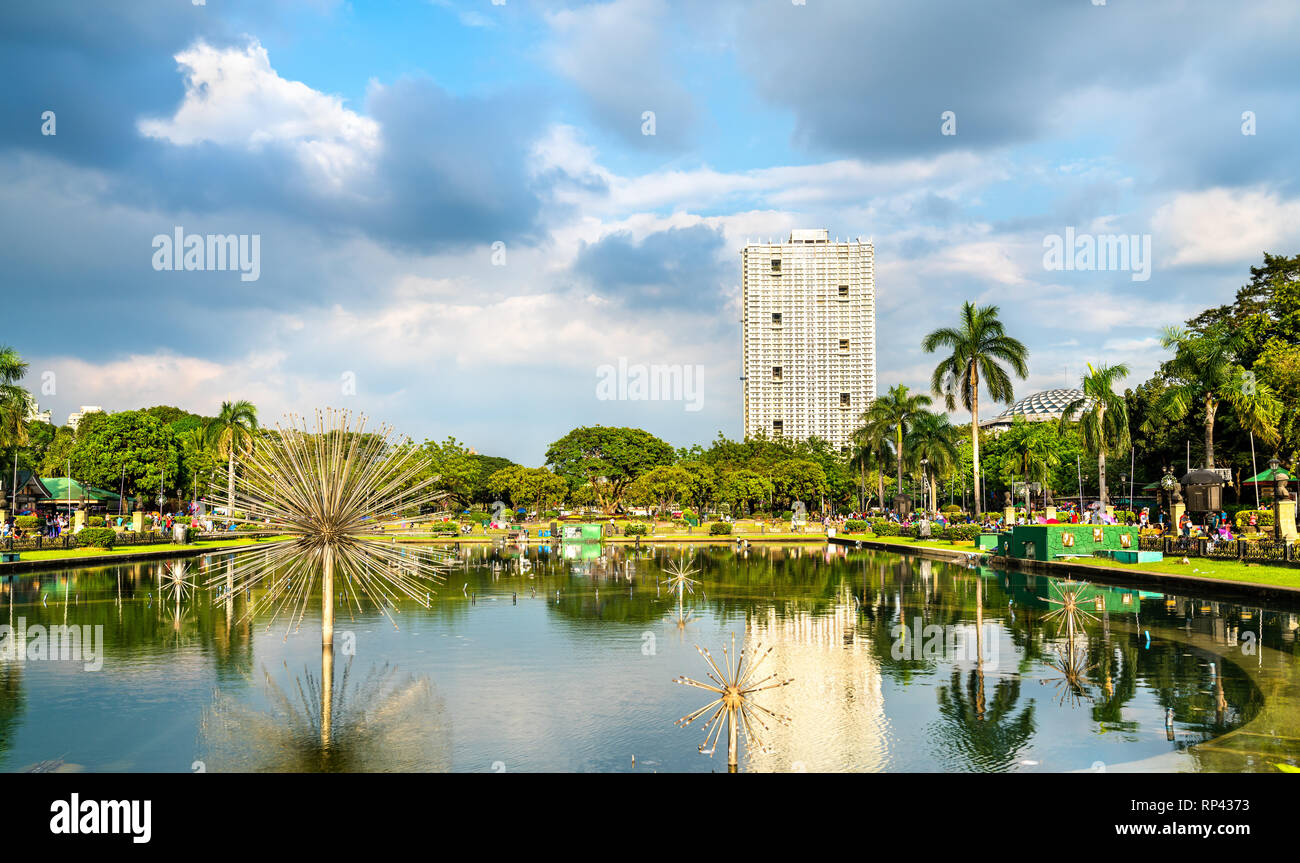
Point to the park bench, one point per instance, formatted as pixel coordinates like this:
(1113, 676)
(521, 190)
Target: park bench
(9, 556)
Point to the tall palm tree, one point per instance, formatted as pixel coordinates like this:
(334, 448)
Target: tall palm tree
(1102, 415)
(933, 439)
(229, 432)
(892, 416)
(978, 347)
(1201, 373)
(15, 402)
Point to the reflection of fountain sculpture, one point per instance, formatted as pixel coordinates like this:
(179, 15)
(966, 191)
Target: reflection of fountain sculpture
(380, 722)
(1072, 664)
(735, 702)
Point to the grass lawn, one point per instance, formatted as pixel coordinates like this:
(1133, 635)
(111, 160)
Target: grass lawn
(1234, 570)
(907, 540)
(127, 550)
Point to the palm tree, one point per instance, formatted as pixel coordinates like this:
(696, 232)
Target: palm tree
(933, 440)
(1103, 416)
(872, 451)
(1258, 411)
(229, 432)
(892, 416)
(977, 346)
(15, 402)
(1201, 372)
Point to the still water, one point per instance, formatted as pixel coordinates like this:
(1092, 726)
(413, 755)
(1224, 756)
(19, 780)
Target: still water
(564, 659)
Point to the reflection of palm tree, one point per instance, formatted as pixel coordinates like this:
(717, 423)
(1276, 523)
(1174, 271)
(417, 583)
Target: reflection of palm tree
(984, 736)
(383, 722)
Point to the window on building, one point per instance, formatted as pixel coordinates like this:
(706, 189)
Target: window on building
(844, 400)
(776, 265)
(777, 426)
(844, 292)
(776, 373)
(844, 345)
(776, 318)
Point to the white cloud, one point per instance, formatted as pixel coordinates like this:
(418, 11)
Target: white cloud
(1225, 226)
(234, 98)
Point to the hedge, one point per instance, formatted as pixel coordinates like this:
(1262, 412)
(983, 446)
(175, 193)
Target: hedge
(29, 522)
(99, 537)
(885, 527)
(720, 528)
(854, 525)
(639, 529)
(962, 532)
(95, 521)
(1264, 518)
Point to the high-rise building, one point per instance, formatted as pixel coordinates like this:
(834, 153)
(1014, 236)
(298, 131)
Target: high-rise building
(809, 335)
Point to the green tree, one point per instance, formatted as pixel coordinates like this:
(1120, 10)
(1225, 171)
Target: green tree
(799, 479)
(230, 432)
(742, 489)
(892, 416)
(15, 402)
(1102, 416)
(1200, 375)
(130, 449)
(660, 486)
(456, 469)
(933, 441)
(607, 458)
(977, 348)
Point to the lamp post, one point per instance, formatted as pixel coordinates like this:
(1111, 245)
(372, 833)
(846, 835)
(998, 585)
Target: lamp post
(925, 483)
(1277, 520)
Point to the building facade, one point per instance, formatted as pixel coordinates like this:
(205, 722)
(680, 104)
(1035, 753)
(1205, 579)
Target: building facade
(809, 336)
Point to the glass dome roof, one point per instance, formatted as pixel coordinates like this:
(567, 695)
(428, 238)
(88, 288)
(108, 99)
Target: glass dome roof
(1045, 405)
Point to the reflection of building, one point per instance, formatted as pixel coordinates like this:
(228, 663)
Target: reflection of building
(809, 336)
(74, 418)
(1039, 407)
(835, 701)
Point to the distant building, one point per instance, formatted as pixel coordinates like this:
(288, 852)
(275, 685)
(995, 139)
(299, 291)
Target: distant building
(35, 414)
(74, 418)
(1039, 407)
(809, 336)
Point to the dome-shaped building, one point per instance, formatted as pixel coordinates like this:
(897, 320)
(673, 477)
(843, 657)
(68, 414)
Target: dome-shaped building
(1038, 407)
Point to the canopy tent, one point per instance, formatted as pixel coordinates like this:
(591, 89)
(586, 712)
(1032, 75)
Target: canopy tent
(65, 492)
(1265, 477)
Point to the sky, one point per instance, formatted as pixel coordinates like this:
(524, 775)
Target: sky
(464, 210)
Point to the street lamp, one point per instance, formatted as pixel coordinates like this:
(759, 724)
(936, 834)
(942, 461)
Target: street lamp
(925, 482)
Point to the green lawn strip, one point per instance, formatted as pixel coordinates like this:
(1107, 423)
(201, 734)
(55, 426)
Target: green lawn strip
(907, 540)
(127, 550)
(1197, 567)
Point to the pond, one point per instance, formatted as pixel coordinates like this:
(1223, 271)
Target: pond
(547, 659)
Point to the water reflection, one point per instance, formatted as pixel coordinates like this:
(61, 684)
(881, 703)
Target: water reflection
(555, 659)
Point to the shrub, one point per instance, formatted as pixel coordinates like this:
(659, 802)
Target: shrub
(445, 527)
(95, 521)
(551, 513)
(1263, 519)
(951, 509)
(637, 529)
(885, 527)
(787, 515)
(99, 537)
(962, 532)
(854, 525)
(720, 528)
(30, 522)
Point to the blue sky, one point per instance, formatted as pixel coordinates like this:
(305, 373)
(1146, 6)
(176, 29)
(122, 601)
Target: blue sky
(388, 153)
